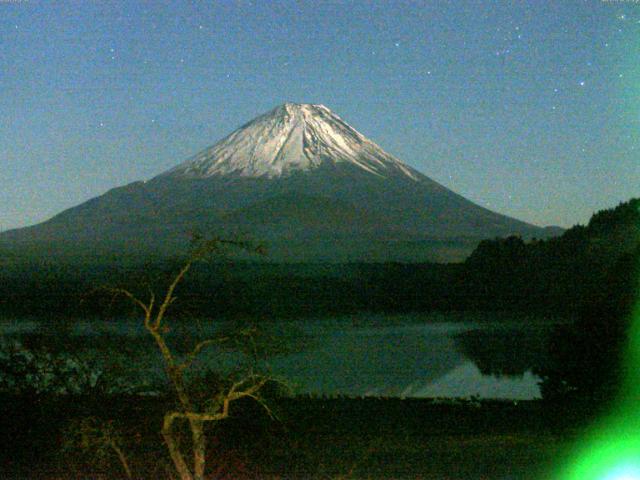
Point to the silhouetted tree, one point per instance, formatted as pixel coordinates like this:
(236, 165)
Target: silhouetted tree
(586, 357)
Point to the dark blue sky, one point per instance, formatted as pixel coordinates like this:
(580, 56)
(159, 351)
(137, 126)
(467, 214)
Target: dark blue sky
(530, 108)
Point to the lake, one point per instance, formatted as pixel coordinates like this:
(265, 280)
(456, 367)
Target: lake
(431, 355)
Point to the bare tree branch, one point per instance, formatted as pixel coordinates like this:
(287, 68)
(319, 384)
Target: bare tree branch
(191, 356)
(169, 298)
(248, 387)
(130, 296)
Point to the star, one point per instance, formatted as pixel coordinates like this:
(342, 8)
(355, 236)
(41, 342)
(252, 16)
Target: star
(582, 83)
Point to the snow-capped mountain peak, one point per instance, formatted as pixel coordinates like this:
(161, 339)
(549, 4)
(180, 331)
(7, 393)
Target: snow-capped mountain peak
(291, 137)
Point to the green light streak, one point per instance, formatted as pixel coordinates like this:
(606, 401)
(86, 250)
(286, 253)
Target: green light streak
(610, 449)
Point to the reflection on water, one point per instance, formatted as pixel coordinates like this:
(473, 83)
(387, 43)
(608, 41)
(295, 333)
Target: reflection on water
(365, 361)
(413, 359)
(467, 380)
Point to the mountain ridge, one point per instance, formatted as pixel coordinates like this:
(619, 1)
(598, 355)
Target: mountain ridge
(361, 202)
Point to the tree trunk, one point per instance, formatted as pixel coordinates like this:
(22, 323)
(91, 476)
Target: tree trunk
(174, 449)
(199, 449)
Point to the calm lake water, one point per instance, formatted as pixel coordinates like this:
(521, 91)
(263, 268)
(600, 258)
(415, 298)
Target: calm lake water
(401, 355)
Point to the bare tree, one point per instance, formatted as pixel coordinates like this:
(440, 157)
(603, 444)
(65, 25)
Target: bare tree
(193, 413)
(99, 438)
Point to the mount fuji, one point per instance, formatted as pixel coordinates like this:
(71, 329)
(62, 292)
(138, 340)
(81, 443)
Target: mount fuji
(288, 139)
(298, 178)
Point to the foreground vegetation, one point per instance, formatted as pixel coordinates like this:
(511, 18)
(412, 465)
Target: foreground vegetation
(312, 438)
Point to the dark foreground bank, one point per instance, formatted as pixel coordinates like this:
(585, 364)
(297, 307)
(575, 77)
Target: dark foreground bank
(311, 438)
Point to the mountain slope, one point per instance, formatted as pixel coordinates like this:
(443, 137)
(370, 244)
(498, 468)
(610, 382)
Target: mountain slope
(297, 177)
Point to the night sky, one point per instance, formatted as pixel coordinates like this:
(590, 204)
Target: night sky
(530, 108)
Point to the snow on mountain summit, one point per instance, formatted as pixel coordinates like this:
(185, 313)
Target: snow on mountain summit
(291, 137)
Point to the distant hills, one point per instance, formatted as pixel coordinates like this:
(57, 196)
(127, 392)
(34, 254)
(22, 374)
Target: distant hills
(298, 178)
(610, 235)
(588, 268)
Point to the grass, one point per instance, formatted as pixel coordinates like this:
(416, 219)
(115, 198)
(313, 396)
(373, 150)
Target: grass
(315, 438)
